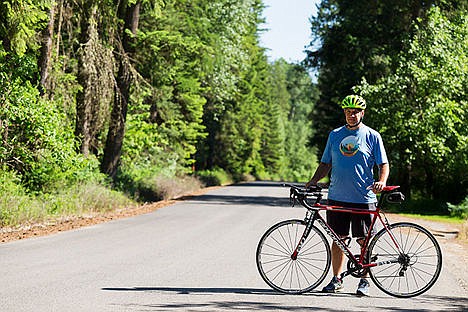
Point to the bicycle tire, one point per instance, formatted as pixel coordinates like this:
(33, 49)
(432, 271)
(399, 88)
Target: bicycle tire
(275, 263)
(412, 272)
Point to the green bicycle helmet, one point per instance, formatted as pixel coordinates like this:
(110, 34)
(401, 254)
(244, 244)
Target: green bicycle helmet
(353, 101)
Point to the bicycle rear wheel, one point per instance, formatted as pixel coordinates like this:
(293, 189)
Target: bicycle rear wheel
(411, 272)
(277, 266)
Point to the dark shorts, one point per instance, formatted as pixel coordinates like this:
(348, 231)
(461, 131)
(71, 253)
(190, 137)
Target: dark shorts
(340, 221)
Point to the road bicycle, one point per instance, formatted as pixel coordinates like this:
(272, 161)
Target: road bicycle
(293, 256)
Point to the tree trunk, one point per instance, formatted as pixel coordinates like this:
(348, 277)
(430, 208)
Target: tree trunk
(83, 109)
(115, 136)
(46, 52)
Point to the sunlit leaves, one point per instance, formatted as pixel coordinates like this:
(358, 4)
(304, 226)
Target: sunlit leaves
(19, 22)
(426, 102)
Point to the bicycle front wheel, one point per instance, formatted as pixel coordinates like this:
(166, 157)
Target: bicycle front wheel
(285, 272)
(409, 269)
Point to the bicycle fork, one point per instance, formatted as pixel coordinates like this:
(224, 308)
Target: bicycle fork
(310, 222)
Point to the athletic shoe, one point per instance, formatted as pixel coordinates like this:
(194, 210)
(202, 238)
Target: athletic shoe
(363, 288)
(335, 285)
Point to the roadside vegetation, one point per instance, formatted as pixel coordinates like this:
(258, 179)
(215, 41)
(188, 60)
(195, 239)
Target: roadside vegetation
(105, 105)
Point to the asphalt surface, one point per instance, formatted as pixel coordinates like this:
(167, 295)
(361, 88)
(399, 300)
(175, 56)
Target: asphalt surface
(196, 255)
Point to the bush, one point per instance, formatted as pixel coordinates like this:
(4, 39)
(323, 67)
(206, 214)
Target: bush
(163, 187)
(459, 211)
(17, 207)
(38, 141)
(215, 176)
(84, 198)
(421, 206)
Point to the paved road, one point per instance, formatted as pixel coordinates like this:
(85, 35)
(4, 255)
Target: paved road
(197, 255)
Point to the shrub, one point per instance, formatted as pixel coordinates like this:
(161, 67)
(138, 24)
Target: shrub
(17, 207)
(459, 211)
(38, 141)
(215, 176)
(84, 198)
(422, 206)
(163, 187)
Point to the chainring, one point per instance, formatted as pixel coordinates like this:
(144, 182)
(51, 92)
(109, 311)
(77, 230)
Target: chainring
(355, 271)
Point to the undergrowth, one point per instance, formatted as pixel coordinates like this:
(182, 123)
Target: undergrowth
(19, 208)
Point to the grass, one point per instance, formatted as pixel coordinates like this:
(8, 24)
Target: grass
(432, 210)
(460, 224)
(437, 218)
(20, 208)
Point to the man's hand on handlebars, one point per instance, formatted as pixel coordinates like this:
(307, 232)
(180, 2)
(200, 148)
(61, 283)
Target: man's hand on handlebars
(311, 184)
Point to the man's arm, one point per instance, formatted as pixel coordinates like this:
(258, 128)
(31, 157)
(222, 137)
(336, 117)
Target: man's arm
(384, 170)
(321, 172)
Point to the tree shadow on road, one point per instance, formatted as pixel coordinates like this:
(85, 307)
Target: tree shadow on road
(264, 200)
(317, 300)
(193, 290)
(240, 200)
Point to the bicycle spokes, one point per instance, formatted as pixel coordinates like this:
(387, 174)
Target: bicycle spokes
(287, 268)
(409, 263)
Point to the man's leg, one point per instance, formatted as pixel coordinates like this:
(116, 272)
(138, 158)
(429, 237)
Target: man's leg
(337, 258)
(360, 225)
(339, 222)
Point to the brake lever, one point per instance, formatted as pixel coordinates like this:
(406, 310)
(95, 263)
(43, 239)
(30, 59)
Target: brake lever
(292, 197)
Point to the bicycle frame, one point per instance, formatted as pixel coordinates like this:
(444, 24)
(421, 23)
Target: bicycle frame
(359, 263)
(293, 256)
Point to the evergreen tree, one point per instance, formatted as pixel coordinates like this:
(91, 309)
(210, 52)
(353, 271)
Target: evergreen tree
(301, 159)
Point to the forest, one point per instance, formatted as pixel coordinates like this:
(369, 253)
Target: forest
(110, 103)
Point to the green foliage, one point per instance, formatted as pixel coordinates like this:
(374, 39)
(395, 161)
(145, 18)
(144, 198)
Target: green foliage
(18, 206)
(235, 130)
(213, 177)
(359, 38)
(460, 210)
(352, 39)
(421, 206)
(19, 22)
(426, 100)
(288, 129)
(167, 114)
(301, 157)
(37, 141)
(276, 114)
(409, 60)
(227, 24)
(203, 96)
(146, 153)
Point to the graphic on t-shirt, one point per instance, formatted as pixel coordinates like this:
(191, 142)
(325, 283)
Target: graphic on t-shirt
(349, 146)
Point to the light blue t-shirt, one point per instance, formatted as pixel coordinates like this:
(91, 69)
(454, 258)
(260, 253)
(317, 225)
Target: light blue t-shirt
(353, 154)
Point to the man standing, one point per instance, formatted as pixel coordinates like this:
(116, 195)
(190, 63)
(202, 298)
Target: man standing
(351, 153)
